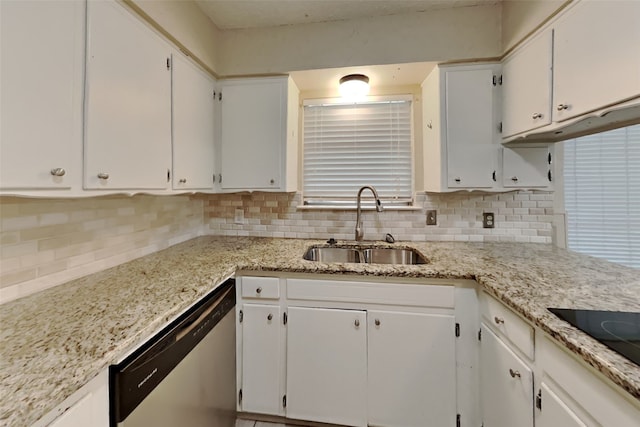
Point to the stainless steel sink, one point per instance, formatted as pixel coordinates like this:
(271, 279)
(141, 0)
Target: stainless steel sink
(399, 256)
(332, 255)
(393, 256)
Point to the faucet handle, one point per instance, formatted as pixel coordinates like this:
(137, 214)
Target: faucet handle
(389, 238)
(332, 241)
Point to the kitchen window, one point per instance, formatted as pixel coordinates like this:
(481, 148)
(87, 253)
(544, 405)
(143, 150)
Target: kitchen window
(602, 195)
(349, 145)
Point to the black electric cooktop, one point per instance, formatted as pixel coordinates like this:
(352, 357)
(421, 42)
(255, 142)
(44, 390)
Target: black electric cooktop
(620, 331)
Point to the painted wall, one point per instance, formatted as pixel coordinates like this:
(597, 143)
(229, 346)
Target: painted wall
(519, 18)
(442, 35)
(186, 24)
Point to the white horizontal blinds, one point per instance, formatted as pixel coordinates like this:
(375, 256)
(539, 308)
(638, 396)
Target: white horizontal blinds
(347, 146)
(602, 195)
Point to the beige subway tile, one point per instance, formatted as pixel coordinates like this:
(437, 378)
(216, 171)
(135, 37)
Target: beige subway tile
(52, 267)
(18, 249)
(17, 276)
(18, 223)
(53, 243)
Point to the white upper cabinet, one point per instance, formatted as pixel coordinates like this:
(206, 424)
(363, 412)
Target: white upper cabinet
(527, 167)
(41, 90)
(259, 134)
(460, 121)
(526, 86)
(596, 57)
(128, 102)
(193, 107)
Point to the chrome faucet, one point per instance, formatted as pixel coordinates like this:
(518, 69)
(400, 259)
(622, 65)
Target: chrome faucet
(359, 230)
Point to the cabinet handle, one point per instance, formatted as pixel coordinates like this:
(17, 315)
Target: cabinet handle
(498, 320)
(536, 116)
(561, 107)
(377, 322)
(103, 175)
(457, 180)
(58, 171)
(183, 181)
(220, 178)
(514, 178)
(270, 317)
(259, 290)
(357, 323)
(514, 374)
(493, 176)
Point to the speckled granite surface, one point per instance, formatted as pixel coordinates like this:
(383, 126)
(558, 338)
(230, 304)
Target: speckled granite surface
(54, 342)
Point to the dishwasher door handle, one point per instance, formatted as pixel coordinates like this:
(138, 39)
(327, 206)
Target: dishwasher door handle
(190, 327)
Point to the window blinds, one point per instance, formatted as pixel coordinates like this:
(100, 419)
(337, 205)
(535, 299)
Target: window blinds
(602, 195)
(347, 146)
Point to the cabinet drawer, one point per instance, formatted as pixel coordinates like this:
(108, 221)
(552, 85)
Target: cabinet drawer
(506, 322)
(261, 287)
(437, 296)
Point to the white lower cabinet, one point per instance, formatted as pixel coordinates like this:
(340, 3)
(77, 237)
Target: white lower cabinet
(409, 353)
(556, 411)
(506, 384)
(327, 365)
(261, 359)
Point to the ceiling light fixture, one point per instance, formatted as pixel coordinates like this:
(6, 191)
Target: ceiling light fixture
(354, 86)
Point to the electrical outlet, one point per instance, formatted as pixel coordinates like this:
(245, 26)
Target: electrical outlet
(238, 218)
(488, 220)
(432, 217)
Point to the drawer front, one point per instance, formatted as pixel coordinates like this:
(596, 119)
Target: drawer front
(437, 296)
(509, 324)
(261, 287)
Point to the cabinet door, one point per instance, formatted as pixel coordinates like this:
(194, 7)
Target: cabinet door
(91, 410)
(253, 133)
(470, 128)
(554, 412)
(41, 92)
(128, 105)
(526, 87)
(193, 125)
(526, 167)
(411, 369)
(327, 366)
(261, 359)
(596, 57)
(506, 384)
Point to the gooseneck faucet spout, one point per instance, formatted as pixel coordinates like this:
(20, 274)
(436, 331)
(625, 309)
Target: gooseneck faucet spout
(359, 230)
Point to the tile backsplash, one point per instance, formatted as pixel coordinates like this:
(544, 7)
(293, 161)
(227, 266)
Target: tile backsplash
(46, 242)
(520, 216)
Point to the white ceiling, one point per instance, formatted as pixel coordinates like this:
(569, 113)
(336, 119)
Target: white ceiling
(234, 14)
(379, 76)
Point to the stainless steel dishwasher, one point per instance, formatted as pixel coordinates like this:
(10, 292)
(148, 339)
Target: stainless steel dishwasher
(185, 374)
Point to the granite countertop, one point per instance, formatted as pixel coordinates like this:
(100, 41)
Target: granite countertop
(55, 341)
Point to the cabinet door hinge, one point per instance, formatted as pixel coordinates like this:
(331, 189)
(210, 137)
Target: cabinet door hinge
(549, 176)
(220, 96)
(285, 318)
(214, 94)
(284, 401)
(168, 175)
(168, 63)
(241, 316)
(457, 420)
(240, 396)
(213, 178)
(549, 158)
(500, 127)
(457, 329)
(480, 335)
(539, 400)
(500, 80)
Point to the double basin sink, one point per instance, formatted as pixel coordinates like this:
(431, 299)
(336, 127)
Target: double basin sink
(372, 255)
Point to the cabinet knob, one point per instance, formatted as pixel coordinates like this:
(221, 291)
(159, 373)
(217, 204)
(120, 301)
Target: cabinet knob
(272, 181)
(103, 175)
(183, 181)
(536, 116)
(498, 320)
(270, 317)
(377, 322)
(58, 171)
(514, 178)
(514, 374)
(357, 323)
(259, 290)
(561, 107)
